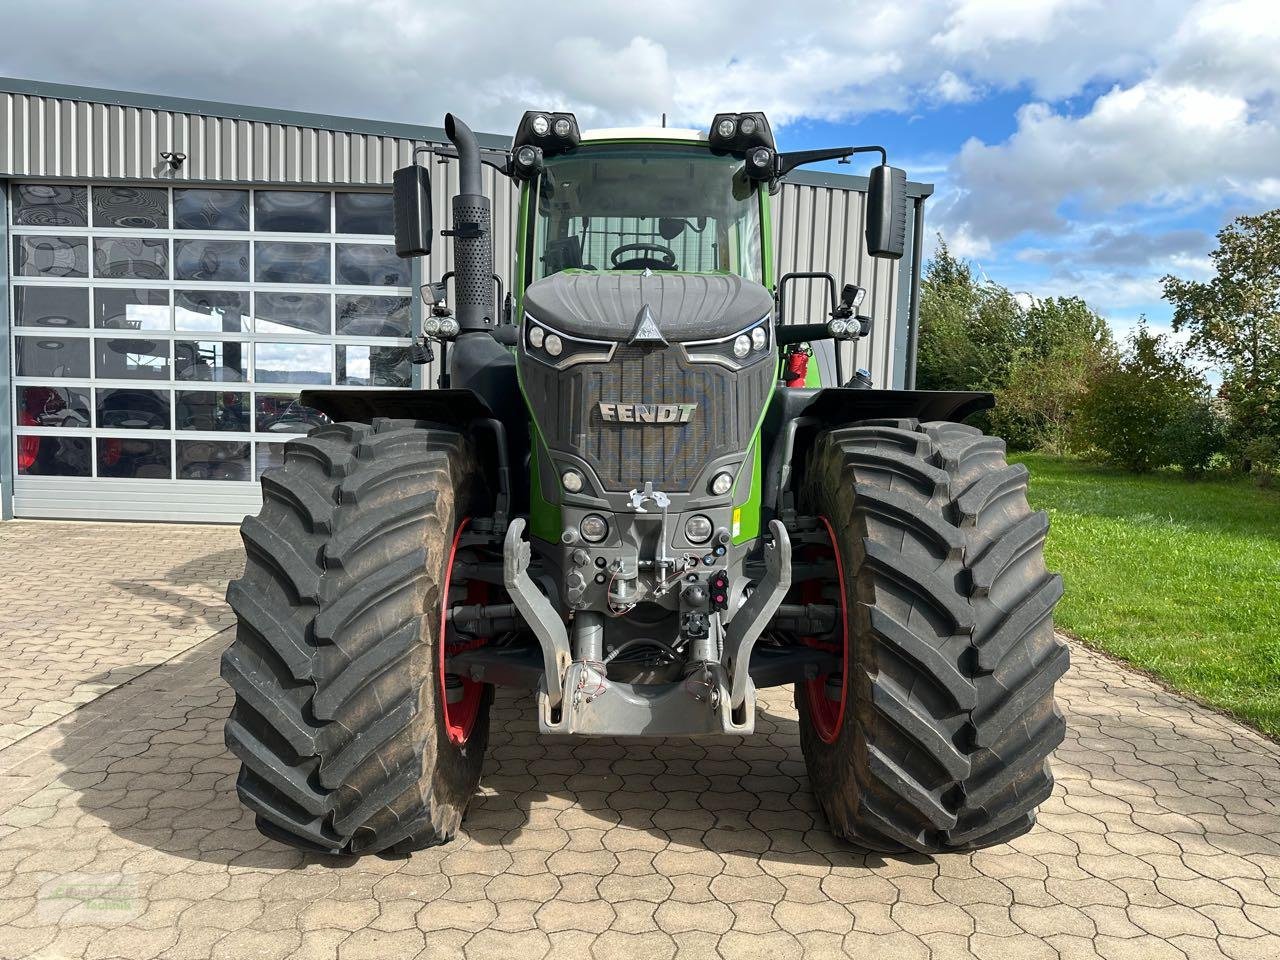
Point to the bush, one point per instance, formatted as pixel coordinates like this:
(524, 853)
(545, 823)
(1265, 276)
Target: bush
(1149, 411)
(1263, 459)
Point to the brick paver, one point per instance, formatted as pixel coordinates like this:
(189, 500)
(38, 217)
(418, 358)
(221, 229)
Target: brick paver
(120, 836)
(85, 607)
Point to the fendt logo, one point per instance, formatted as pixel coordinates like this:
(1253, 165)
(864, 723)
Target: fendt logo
(657, 413)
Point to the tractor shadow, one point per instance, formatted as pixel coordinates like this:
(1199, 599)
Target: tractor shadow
(180, 597)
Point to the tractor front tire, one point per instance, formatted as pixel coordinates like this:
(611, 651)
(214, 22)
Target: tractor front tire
(339, 718)
(946, 713)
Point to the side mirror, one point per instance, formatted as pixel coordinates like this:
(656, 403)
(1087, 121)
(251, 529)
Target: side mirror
(411, 193)
(887, 212)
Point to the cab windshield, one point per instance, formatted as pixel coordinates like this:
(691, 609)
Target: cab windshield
(646, 206)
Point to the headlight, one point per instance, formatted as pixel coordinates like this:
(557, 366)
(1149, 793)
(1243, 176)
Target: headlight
(698, 529)
(721, 483)
(759, 338)
(535, 337)
(562, 350)
(593, 528)
(838, 327)
(735, 350)
(572, 481)
(541, 125)
(448, 327)
(741, 346)
(553, 345)
(431, 326)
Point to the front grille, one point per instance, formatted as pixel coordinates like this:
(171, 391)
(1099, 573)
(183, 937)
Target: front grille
(625, 455)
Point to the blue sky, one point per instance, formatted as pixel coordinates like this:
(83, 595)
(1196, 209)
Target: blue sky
(1078, 146)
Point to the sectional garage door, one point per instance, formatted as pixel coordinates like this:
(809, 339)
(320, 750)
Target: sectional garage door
(160, 337)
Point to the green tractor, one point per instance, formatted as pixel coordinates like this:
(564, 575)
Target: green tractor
(631, 498)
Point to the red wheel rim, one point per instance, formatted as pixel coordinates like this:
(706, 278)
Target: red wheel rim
(826, 713)
(459, 717)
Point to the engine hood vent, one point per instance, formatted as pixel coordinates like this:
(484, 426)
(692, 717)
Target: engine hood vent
(682, 306)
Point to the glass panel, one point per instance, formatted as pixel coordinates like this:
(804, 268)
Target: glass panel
(51, 256)
(132, 359)
(292, 363)
(223, 310)
(133, 458)
(211, 410)
(364, 213)
(53, 406)
(269, 455)
(130, 258)
(284, 413)
(291, 313)
(46, 205)
(130, 207)
(291, 211)
(226, 261)
(53, 456)
(51, 357)
(212, 460)
(226, 361)
(291, 262)
(211, 209)
(371, 265)
(51, 306)
(117, 308)
(362, 316)
(374, 366)
(129, 409)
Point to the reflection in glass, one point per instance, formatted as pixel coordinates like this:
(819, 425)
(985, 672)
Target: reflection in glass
(226, 261)
(292, 363)
(371, 316)
(292, 313)
(221, 310)
(47, 205)
(364, 213)
(220, 360)
(126, 408)
(51, 256)
(132, 359)
(117, 308)
(374, 366)
(211, 410)
(284, 413)
(211, 209)
(53, 406)
(130, 207)
(51, 306)
(53, 456)
(130, 258)
(51, 357)
(291, 211)
(133, 458)
(212, 460)
(268, 455)
(371, 265)
(277, 262)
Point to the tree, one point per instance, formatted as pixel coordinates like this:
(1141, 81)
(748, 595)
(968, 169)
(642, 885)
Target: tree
(1149, 410)
(1062, 346)
(968, 327)
(1234, 322)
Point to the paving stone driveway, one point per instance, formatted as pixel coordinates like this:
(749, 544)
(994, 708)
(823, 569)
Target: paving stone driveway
(120, 835)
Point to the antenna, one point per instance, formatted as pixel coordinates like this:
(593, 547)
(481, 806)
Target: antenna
(664, 120)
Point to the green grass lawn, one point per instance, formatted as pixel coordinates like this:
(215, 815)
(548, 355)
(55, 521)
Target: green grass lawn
(1179, 578)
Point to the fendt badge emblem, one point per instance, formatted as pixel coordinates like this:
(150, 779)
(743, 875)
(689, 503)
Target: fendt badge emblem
(656, 413)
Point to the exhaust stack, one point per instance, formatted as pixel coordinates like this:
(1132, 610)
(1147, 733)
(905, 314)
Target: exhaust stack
(472, 235)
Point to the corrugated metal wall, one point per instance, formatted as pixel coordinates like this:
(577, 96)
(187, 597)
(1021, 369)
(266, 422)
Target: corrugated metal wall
(816, 227)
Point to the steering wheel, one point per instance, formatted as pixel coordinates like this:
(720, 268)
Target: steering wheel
(666, 262)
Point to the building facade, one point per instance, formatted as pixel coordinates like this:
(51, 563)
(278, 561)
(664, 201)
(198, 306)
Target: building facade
(176, 271)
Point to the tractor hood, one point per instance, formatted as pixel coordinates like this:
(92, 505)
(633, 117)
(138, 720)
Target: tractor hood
(684, 306)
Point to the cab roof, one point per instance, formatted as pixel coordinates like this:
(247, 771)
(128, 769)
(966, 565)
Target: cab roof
(683, 134)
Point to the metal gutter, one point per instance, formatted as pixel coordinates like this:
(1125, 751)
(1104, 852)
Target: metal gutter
(6, 375)
(913, 312)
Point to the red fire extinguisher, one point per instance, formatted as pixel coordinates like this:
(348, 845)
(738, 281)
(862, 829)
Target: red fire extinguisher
(796, 370)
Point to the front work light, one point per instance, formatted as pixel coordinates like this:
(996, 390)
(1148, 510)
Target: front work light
(562, 127)
(572, 481)
(698, 528)
(721, 483)
(725, 128)
(541, 125)
(593, 528)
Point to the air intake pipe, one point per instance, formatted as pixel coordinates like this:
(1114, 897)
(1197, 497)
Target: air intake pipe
(472, 235)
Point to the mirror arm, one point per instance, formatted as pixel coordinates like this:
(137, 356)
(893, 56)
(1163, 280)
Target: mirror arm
(500, 160)
(786, 162)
